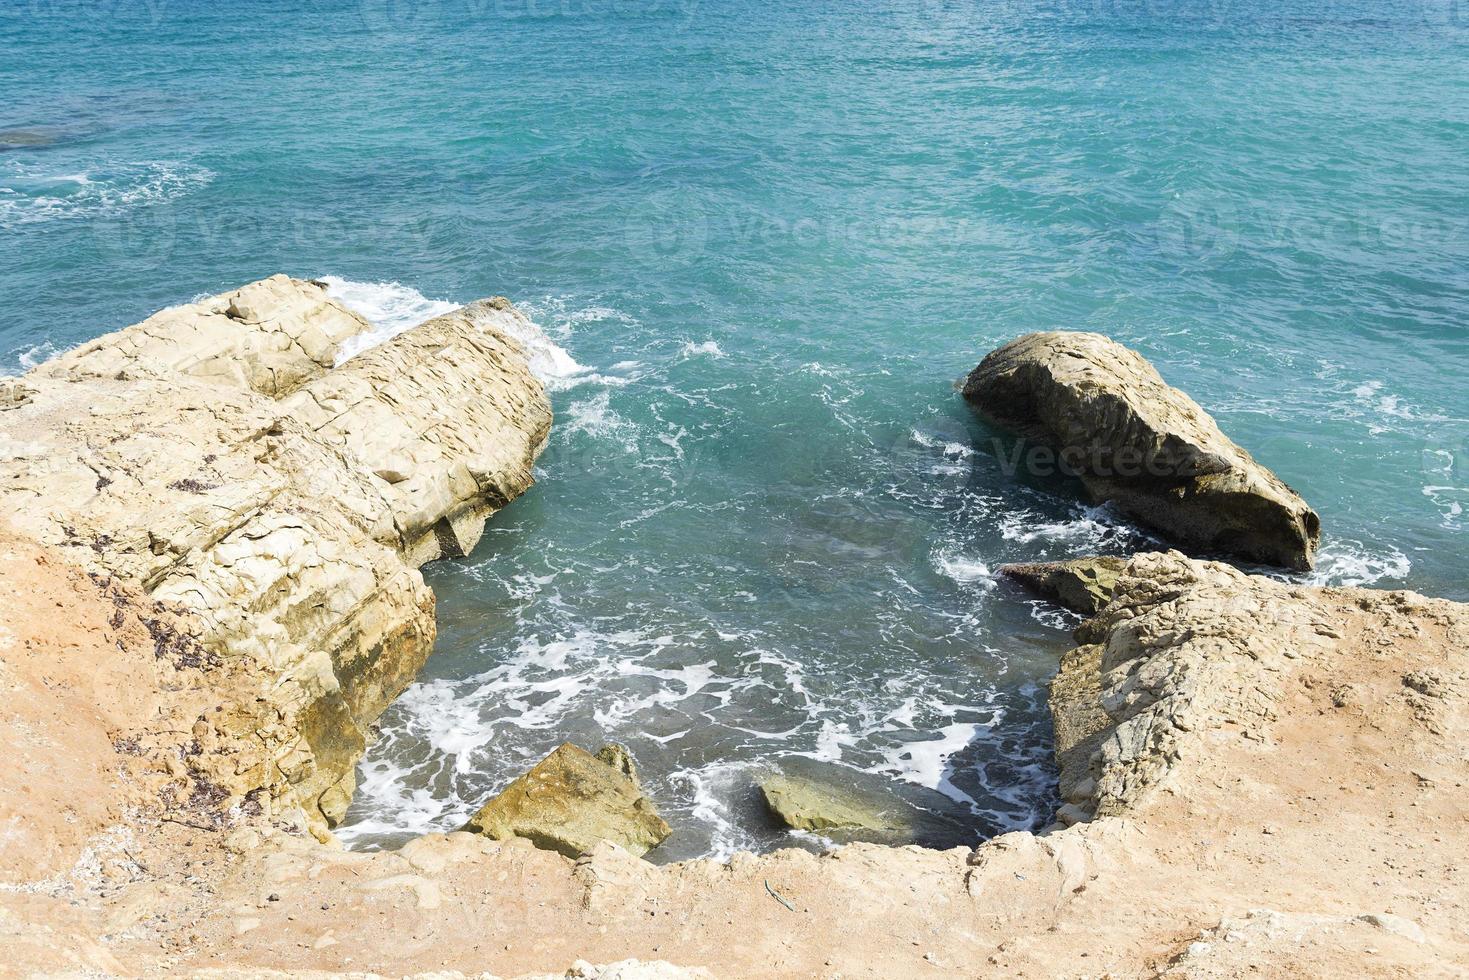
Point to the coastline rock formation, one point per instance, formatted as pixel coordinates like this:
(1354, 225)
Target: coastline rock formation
(572, 800)
(1279, 788)
(208, 589)
(1143, 445)
(214, 457)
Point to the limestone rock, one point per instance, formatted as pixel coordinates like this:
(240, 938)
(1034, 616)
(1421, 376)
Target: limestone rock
(571, 800)
(1082, 585)
(269, 337)
(1183, 648)
(619, 757)
(804, 804)
(213, 456)
(1143, 445)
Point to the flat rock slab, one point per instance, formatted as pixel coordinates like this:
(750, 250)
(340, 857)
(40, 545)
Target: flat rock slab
(818, 807)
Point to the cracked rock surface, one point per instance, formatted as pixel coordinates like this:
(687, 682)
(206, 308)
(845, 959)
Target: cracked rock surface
(214, 457)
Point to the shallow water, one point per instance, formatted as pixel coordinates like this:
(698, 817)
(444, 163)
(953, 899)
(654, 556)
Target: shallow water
(762, 243)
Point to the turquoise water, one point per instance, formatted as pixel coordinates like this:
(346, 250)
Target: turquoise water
(763, 241)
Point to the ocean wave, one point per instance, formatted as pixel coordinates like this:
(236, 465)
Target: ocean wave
(393, 308)
(23, 359)
(707, 348)
(30, 194)
(1450, 502)
(965, 571)
(1087, 529)
(1347, 562)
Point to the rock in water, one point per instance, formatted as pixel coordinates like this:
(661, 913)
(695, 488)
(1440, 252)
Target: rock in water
(1082, 585)
(573, 799)
(803, 804)
(1143, 445)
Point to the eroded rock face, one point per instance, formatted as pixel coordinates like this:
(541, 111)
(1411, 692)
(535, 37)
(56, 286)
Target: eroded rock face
(571, 800)
(214, 457)
(1143, 445)
(1185, 647)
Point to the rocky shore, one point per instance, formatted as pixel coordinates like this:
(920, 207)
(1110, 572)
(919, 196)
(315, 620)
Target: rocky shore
(211, 589)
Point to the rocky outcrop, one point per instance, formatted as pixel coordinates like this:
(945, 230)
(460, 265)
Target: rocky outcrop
(1184, 650)
(571, 800)
(213, 456)
(1261, 802)
(1082, 585)
(804, 804)
(1148, 448)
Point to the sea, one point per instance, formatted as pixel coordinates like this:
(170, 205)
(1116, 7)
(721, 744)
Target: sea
(761, 243)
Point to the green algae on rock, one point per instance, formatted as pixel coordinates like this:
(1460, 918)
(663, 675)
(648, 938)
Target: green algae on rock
(1082, 585)
(805, 804)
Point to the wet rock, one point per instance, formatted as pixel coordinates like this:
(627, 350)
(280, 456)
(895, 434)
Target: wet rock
(1102, 412)
(571, 800)
(818, 807)
(1082, 585)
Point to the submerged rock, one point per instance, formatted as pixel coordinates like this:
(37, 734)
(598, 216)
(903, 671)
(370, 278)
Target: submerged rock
(805, 804)
(1104, 414)
(1082, 585)
(571, 800)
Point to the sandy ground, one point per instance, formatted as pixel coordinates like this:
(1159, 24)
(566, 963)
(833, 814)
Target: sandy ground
(1324, 836)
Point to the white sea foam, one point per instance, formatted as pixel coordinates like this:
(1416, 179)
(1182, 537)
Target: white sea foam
(31, 194)
(1090, 528)
(594, 416)
(1450, 502)
(27, 358)
(392, 308)
(706, 349)
(1346, 562)
(965, 571)
(948, 448)
(926, 762)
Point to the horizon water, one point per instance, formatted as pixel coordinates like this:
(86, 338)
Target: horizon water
(761, 245)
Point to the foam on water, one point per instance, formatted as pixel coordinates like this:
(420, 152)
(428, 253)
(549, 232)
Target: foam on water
(1345, 562)
(31, 194)
(26, 358)
(965, 571)
(390, 307)
(393, 308)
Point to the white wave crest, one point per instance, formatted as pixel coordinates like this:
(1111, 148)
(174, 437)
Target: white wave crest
(393, 308)
(1346, 562)
(30, 195)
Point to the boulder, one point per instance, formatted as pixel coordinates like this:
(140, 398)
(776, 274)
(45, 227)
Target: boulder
(571, 800)
(805, 804)
(217, 457)
(1082, 585)
(1144, 446)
